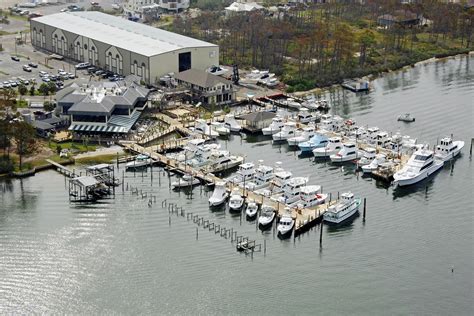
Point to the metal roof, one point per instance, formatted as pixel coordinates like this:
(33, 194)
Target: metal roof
(132, 36)
(200, 78)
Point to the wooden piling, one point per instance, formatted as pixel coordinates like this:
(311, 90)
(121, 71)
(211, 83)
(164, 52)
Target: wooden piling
(321, 234)
(169, 220)
(365, 206)
(264, 246)
(197, 233)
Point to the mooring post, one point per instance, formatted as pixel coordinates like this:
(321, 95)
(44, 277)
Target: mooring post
(321, 234)
(338, 195)
(470, 150)
(117, 160)
(197, 233)
(169, 220)
(365, 206)
(264, 246)
(330, 197)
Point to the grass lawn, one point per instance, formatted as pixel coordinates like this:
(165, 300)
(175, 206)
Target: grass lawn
(107, 158)
(79, 146)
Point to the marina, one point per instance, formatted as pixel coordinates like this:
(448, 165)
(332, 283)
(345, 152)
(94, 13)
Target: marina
(183, 244)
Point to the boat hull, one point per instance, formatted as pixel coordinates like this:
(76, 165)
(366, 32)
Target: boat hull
(338, 220)
(459, 144)
(405, 181)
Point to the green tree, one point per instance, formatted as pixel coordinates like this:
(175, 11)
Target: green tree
(52, 87)
(7, 98)
(366, 41)
(5, 137)
(49, 106)
(43, 89)
(24, 135)
(32, 90)
(22, 89)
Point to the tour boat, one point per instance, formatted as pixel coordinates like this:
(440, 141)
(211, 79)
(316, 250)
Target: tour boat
(202, 128)
(310, 195)
(275, 126)
(305, 117)
(292, 190)
(333, 146)
(219, 195)
(251, 209)
(347, 153)
(231, 123)
(262, 178)
(307, 133)
(220, 128)
(285, 225)
(217, 70)
(288, 130)
(420, 166)
(267, 215)
(374, 164)
(245, 173)
(139, 162)
(186, 181)
(346, 208)
(406, 118)
(368, 156)
(236, 201)
(448, 149)
(317, 141)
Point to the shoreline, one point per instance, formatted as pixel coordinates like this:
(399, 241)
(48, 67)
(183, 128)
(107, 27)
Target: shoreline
(376, 75)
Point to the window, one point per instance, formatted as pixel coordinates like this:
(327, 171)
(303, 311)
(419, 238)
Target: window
(85, 46)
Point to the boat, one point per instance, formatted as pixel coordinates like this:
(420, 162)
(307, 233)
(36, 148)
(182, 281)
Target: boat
(220, 128)
(186, 181)
(139, 162)
(307, 133)
(305, 117)
(292, 190)
(231, 123)
(280, 179)
(310, 195)
(225, 163)
(382, 139)
(251, 209)
(317, 141)
(345, 209)
(272, 82)
(347, 153)
(311, 103)
(334, 145)
(356, 85)
(275, 126)
(288, 130)
(245, 173)
(285, 225)
(262, 178)
(371, 136)
(236, 201)
(217, 70)
(421, 165)
(220, 194)
(267, 215)
(202, 128)
(368, 156)
(374, 164)
(291, 103)
(448, 149)
(406, 118)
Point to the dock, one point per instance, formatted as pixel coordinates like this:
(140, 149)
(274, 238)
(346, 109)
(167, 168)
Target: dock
(62, 169)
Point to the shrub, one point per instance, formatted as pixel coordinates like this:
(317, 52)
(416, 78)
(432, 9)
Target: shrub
(6, 165)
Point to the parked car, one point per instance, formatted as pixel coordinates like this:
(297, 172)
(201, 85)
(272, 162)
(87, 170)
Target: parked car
(6, 84)
(99, 72)
(82, 65)
(27, 68)
(91, 70)
(46, 79)
(15, 58)
(71, 76)
(32, 65)
(43, 73)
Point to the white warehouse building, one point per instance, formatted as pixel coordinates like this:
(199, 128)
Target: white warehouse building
(122, 46)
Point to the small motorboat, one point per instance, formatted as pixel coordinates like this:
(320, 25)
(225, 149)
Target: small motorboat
(267, 215)
(251, 209)
(346, 208)
(231, 123)
(374, 164)
(285, 226)
(219, 195)
(139, 162)
(448, 149)
(406, 118)
(220, 128)
(217, 70)
(186, 181)
(236, 201)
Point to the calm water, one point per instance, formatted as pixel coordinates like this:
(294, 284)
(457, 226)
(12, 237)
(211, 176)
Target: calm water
(122, 256)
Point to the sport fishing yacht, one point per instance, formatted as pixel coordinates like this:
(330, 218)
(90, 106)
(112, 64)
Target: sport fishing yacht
(334, 145)
(347, 153)
(448, 149)
(288, 130)
(307, 133)
(346, 208)
(420, 166)
(317, 141)
(275, 126)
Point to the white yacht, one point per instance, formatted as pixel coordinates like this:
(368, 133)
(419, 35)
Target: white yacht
(337, 123)
(305, 117)
(374, 164)
(292, 103)
(317, 141)
(285, 225)
(139, 162)
(310, 195)
(448, 149)
(334, 145)
(347, 153)
(372, 133)
(288, 130)
(225, 162)
(292, 190)
(275, 126)
(186, 181)
(307, 133)
(231, 123)
(236, 201)
(406, 118)
(262, 178)
(217, 70)
(220, 128)
(220, 194)
(368, 156)
(347, 207)
(311, 103)
(251, 209)
(267, 215)
(420, 166)
(325, 125)
(245, 173)
(382, 139)
(202, 128)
